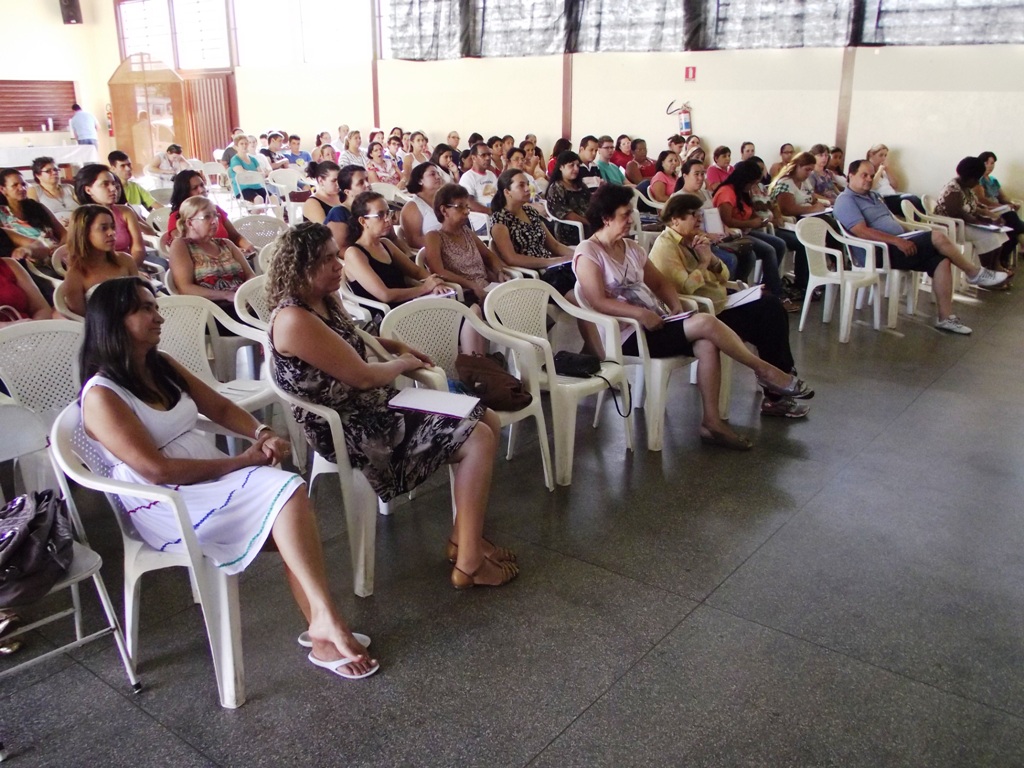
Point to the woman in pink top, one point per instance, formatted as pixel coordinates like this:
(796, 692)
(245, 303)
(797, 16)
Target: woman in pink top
(666, 173)
(719, 171)
(380, 169)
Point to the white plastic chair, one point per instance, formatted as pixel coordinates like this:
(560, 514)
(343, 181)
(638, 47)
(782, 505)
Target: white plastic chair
(59, 261)
(216, 175)
(955, 230)
(812, 232)
(195, 163)
(60, 303)
(266, 255)
(432, 326)
(520, 309)
(390, 192)
(158, 219)
(184, 338)
(24, 435)
(284, 180)
(217, 593)
(162, 195)
(260, 230)
(39, 364)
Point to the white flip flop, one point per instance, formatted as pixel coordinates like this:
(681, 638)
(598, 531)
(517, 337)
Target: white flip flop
(305, 642)
(337, 667)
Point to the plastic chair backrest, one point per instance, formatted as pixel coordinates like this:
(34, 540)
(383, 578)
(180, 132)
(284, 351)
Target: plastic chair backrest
(265, 257)
(249, 178)
(184, 333)
(382, 188)
(929, 203)
(39, 364)
(59, 261)
(431, 326)
(162, 195)
(158, 219)
(213, 172)
(218, 154)
(813, 232)
(288, 178)
(251, 304)
(260, 230)
(60, 303)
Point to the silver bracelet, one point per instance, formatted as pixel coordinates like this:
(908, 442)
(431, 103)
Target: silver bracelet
(262, 427)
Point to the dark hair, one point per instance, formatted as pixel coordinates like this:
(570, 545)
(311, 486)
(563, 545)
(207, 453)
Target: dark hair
(490, 141)
(475, 149)
(440, 149)
(507, 137)
(855, 167)
(360, 207)
(293, 137)
(117, 156)
(819, 149)
(984, 157)
(75, 108)
(319, 170)
(676, 139)
(447, 195)
(620, 138)
(319, 140)
(971, 169)
(345, 177)
(744, 145)
(756, 159)
(107, 347)
(605, 138)
(745, 173)
(369, 149)
(34, 213)
(415, 184)
(414, 134)
(787, 144)
(498, 202)
(635, 143)
(86, 177)
(39, 163)
(659, 166)
(564, 158)
(587, 139)
(836, 149)
(562, 145)
(719, 151)
(174, 149)
(680, 206)
(474, 137)
(688, 166)
(81, 222)
(396, 128)
(607, 199)
(182, 189)
(513, 151)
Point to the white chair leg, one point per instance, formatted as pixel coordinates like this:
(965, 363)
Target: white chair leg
(895, 282)
(224, 627)
(877, 306)
(693, 371)
(563, 413)
(545, 449)
(131, 613)
(76, 603)
(320, 466)
(828, 303)
(846, 313)
(384, 507)
(654, 411)
(361, 518)
(122, 647)
(807, 305)
(725, 391)
(511, 442)
(195, 587)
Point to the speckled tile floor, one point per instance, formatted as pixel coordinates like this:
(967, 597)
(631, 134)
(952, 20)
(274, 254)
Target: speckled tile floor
(848, 594)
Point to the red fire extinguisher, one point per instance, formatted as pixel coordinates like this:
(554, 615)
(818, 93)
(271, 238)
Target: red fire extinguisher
(685, 116)
(110, 121)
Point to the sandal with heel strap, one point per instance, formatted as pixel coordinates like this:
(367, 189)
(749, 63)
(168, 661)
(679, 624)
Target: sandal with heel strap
(463, 580)
(498, 555)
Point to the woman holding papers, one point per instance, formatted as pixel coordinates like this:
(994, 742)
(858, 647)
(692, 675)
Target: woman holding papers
(683, 253)
(616, 278)
(983, 229)
(318, 354)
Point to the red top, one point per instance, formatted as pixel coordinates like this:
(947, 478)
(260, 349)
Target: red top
(221, 232)
(647, 168)
(621, 158)
(11, 293)
(726, 194)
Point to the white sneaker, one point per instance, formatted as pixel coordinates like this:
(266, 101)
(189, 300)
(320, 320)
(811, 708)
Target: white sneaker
(987, 278)
(953, 325)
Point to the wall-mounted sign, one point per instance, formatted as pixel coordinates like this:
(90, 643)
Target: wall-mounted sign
(690, 73)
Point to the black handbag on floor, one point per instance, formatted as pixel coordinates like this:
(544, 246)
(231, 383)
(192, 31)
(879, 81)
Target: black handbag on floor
(36, 547)
(576, 364)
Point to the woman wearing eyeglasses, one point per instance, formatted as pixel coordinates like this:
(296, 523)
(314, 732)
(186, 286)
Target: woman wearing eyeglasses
(50, 190)
(375, 267)
(204, 265)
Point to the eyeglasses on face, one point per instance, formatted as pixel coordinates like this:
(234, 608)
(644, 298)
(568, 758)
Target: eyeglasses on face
(204, 217)
(607, 146)
(49, 170)
(383, 215)
(459, 206)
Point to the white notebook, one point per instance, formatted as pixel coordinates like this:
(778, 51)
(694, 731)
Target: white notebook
(434, 401)
(738, 299)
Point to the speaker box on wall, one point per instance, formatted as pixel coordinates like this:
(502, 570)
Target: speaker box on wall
(71, 11)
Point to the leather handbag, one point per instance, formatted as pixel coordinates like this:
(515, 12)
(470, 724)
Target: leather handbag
(36, 547)
(576, 364)
(483, 377)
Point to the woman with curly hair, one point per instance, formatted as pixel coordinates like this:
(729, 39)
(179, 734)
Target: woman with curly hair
(318, 354)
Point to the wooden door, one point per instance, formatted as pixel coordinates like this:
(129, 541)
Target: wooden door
(211, 103)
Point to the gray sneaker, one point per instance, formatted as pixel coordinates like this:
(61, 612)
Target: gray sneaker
(988, 278)
(786, 407)
(952, 324)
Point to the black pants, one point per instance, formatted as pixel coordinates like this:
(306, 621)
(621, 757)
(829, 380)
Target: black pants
(894, 203)
(764, 324)
(800, 268)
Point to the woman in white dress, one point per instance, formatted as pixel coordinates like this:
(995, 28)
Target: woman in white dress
(141, 407)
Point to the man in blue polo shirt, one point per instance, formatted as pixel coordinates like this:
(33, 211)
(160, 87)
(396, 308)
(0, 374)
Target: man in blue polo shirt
(863, 214)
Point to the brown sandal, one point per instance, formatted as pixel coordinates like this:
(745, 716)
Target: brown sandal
(499, 555)
(463, 580)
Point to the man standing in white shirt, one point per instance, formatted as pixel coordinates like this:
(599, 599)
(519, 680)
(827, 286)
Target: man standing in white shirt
(83, 126)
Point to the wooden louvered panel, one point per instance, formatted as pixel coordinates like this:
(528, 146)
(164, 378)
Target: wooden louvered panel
(28, 103)
(210, 102)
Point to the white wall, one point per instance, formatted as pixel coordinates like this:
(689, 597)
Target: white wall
(934, 106)
(41, 47)
(490, 96)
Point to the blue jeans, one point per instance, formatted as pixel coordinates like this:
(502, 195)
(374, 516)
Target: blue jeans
(88, 141)
(728, 258)
(770, 250)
